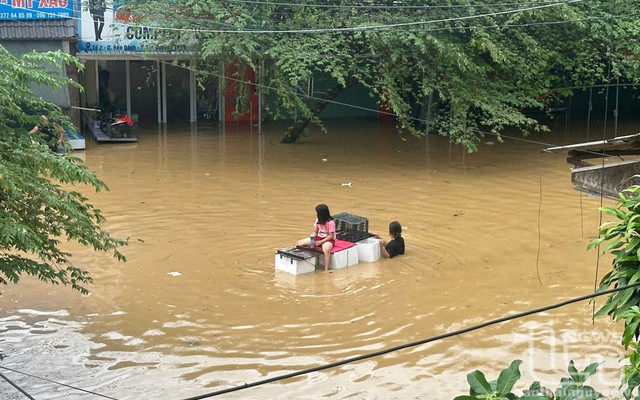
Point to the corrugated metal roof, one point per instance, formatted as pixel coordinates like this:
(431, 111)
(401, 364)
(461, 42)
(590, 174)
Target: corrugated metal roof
(51, 29)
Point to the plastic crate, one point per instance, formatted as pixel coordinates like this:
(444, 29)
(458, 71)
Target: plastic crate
(352, 236)
(119, 130)
(350, 222)
(297, 260)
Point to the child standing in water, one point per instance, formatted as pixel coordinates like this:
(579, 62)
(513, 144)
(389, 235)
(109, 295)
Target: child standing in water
(396, 245)
(324, 233)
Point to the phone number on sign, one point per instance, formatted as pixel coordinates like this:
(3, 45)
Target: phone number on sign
(34, 15)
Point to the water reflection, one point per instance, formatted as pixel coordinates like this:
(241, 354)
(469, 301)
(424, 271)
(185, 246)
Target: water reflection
(199, 306)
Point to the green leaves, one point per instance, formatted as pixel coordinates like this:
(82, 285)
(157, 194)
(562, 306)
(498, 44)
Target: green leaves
(508, 378)
(478, 383)
(485, 64)
(571, 388)
(480, 388)
(36, 212)
(622, 238)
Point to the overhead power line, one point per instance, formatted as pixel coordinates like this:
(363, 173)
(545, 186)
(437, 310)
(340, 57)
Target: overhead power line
(397, 25)
(344, 29)
(414, 344)
(18, 388)
(399, 6)
(57, 383)
(393, 349)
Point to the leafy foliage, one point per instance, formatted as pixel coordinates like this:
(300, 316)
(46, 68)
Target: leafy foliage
(571, 388)
(484, 63)
(36, 212)
(631, 372)
(622, 240)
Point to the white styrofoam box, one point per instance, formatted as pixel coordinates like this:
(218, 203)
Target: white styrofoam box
(293, 266)
(353, 257)
(342, 258)
(368, 249)
(75, 139)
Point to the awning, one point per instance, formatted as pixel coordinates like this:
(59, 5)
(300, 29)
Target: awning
(613, 173)
(51, 29)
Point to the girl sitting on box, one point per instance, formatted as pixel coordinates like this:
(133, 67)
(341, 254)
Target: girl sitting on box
(396, 245)
(324, 233)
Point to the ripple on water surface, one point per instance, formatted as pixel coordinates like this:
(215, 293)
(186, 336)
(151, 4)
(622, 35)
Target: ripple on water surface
(198, 306)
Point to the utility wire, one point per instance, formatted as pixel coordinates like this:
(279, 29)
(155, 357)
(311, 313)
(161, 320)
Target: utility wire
(380, 6)
(413, 344)
(57, 383)
(374, 354)
(413, 30)
(344, 29)
(329, 30)
(17, 387)
(398, 25)
(386, 351)
(377, 111)
(604, 134)
(539, 234)
(256, 85)
(426, 30)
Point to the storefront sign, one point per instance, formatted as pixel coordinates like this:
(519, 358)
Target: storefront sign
(35, 9)
(111, 30)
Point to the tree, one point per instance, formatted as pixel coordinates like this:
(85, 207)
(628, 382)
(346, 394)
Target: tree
(36, 212)
(622, 243)
(483, 63)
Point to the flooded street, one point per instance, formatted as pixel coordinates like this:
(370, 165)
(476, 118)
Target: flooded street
(198, 307)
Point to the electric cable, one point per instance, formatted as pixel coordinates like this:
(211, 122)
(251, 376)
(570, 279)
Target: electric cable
(350, 360)
(539, 234)
(414, 343)
(256, 85)
(413, 30)
(57, 383)
(457, 332)
(17, 387)
(604, 135)
(376, 111)
(397, 25)
(329, 30)
(378, 6)
(342, 29)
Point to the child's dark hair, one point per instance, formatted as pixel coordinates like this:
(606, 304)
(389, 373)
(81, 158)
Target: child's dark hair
(323, 214)
(395, 229)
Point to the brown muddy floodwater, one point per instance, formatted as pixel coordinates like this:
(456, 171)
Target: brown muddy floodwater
(199, 307)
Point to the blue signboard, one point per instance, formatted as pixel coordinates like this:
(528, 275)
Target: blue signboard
(11, 10)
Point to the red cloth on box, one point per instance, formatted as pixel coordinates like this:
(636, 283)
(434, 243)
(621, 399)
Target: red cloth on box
(339, 245)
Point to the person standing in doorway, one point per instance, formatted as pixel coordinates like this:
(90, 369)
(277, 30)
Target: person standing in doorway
(97, 9)
(324, 233)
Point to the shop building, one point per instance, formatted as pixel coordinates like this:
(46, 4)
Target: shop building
(125, 73)
(27, 25)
